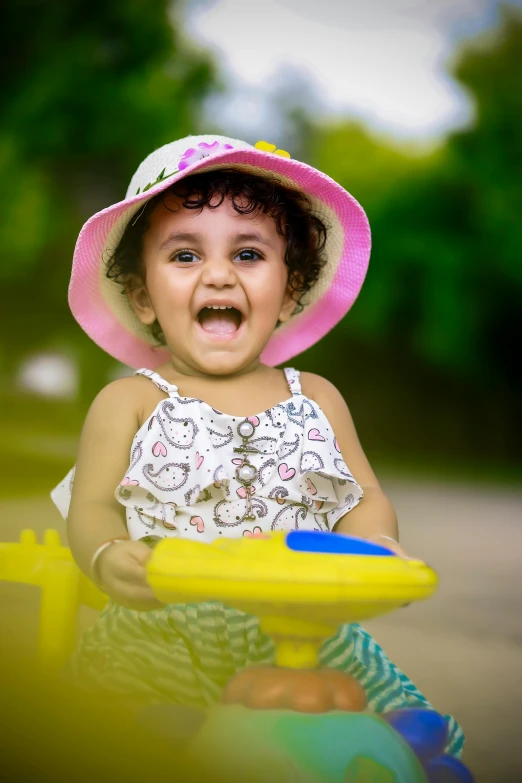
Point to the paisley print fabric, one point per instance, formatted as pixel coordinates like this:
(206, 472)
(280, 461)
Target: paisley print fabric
(182, 478)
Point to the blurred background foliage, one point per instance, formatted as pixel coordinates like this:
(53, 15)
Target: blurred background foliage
(88, 88)
(428, 358)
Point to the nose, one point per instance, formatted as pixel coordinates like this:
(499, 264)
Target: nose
(219, 272)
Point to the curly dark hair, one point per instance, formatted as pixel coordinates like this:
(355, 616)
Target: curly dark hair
(305, 232)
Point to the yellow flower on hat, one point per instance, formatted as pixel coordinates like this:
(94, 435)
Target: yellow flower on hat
(264, 146)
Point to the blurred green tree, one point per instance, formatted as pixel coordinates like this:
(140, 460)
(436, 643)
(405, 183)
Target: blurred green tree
(488, 159)
(445, 279)
(87, 89)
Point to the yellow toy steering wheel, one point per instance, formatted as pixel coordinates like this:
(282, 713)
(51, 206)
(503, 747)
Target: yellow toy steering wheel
(302, 585)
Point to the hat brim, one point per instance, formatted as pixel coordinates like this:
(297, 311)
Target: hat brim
(108, 318)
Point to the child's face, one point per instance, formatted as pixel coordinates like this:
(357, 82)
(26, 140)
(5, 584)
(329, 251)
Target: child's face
(197, 258)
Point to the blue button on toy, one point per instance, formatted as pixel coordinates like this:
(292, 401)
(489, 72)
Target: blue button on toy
(447, 769)
(333, 544)
(425, 731)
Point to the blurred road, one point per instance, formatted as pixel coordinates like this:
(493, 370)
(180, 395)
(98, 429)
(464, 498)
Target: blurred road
(462, 648)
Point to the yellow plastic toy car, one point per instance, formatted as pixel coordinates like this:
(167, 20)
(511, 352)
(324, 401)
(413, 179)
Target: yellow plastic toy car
(301, 584)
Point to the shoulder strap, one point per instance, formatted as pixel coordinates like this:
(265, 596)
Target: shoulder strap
(292, 377)
(160, 382)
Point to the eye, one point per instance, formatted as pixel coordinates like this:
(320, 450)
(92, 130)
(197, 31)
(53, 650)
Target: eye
(249, 255)
(183, 256)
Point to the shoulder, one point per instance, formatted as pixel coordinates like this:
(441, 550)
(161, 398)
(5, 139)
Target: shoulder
(331, 402)
(320, 390)
(333, 405)
(125, 389)
(122, 398)
(328, 398)
(105, 443)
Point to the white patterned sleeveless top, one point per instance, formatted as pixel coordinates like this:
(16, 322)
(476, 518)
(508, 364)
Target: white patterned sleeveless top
(198, 473)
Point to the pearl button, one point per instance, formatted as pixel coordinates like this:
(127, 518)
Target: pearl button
(246, 473)
(246, 429)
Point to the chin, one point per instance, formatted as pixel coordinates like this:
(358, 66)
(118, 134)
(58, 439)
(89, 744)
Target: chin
(225, 363)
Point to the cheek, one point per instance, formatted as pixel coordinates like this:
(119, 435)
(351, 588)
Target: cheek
(265, 301)
(171, 292)
(269, 288)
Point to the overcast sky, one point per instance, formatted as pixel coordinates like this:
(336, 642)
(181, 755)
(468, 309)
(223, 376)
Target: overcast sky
(384, 61)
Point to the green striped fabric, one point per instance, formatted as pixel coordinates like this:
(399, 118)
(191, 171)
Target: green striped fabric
(187, 653)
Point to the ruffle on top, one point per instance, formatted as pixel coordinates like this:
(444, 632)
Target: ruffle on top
(182, 474)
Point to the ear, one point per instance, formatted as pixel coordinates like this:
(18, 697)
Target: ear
(140, 301)
(288, 306)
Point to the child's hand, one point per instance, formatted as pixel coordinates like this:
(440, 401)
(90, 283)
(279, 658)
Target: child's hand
(121, 568)
(390, 543)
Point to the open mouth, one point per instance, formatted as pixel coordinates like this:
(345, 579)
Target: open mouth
(220, 319)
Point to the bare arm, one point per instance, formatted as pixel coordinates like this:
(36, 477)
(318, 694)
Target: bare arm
(374, 516)
(95, 515)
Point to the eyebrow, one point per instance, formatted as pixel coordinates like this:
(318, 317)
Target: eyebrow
(198, 238)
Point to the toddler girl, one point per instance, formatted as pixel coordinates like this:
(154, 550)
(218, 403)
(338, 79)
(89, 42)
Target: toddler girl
(223, 261)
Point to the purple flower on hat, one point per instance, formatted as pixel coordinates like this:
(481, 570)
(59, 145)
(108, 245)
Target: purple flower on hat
(203, 150)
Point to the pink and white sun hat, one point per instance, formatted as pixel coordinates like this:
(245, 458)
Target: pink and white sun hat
(108, 318)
